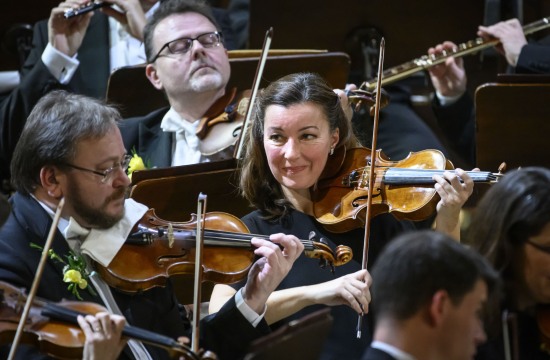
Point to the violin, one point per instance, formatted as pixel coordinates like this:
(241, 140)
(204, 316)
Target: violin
(361, 97)
(157, 249)
(53, 327)
(222, 124)
(403, 188)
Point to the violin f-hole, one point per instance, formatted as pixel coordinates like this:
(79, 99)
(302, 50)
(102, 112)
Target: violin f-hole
(170, 258)
(357, 202)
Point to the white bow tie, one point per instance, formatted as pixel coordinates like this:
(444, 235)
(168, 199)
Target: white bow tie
(103, 244)
(74, 231)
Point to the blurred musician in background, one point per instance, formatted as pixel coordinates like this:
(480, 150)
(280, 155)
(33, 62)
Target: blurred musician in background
(78, 54)
(187, 60)
(511, 228)
(428, 296)
(453, 106)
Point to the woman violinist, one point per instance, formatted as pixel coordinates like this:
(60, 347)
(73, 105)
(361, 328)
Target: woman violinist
(511, 227)
(298, 123)
(71, 148)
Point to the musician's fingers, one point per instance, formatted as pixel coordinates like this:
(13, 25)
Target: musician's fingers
(85, 326)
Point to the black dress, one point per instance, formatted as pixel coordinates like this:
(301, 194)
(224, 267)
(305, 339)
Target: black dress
(342, 342)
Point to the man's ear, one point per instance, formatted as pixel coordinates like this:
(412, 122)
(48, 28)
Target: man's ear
(151, 73)
(439, 308)
(50, 178)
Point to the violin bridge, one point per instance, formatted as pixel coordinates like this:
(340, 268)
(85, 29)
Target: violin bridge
(170, 235)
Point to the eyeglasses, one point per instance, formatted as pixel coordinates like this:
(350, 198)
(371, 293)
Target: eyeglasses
(106, 174)
(183, 45)
(543, 248)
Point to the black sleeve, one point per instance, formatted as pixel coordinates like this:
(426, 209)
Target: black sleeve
(534, 59)
(36, 81)
(228, 334)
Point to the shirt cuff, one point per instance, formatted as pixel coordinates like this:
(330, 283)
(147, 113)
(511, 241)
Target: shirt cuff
(61, 66)
(247, 312)
(447, 100)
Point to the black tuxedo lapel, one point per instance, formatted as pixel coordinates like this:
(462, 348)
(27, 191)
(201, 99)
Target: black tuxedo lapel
(155, 145)
(38, 228)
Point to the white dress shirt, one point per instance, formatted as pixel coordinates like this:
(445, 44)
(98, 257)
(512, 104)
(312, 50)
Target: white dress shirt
(125, 50)
(185, 144)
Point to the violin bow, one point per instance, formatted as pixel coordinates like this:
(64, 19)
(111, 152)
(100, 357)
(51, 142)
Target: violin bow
(201, 211)
(368, 216)
(36, 281)
(255, 87)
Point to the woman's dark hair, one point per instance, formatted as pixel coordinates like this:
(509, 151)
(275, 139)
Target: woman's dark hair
(512, 211)
(257, 182)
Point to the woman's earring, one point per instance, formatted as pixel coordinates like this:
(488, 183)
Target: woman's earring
(331, 150)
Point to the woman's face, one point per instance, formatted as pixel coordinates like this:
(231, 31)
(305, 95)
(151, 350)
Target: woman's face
(536, 266)
(297, 142)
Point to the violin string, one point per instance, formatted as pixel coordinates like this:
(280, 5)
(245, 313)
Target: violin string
(224, 238)
(411, 176)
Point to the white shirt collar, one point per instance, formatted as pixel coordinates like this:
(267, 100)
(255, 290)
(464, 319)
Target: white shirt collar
(173, 122)
(125, 49)
(101, 244)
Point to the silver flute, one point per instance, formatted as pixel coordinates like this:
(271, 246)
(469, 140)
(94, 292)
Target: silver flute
(85, 9)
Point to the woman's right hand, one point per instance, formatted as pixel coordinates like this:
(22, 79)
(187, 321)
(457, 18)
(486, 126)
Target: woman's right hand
(103, 333)
(352, 290)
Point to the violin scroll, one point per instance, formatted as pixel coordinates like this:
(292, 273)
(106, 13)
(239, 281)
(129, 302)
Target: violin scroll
(361, 97)
(320, 250)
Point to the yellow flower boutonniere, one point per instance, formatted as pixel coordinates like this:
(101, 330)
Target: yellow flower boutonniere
(74, 272)
(136, 163)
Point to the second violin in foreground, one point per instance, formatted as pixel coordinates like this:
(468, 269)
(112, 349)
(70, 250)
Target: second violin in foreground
(158, 249)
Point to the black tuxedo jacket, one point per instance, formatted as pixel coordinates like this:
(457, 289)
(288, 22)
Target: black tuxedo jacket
(144, 135)
(90, 79)
(376, 354)
(227, 332)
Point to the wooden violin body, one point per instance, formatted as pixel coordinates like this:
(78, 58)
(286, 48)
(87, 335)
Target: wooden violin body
(158, 249)
(403, 188)
(221, 126)
(54, 330)
(163, 253)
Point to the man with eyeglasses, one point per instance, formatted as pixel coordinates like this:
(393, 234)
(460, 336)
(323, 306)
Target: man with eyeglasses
(188, 61)
(78, 54)
(71, 149)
